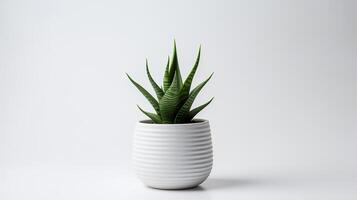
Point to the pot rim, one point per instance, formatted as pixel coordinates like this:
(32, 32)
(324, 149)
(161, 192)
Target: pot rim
(148, 122)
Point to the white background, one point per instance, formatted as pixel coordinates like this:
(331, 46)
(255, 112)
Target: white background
(283, 119)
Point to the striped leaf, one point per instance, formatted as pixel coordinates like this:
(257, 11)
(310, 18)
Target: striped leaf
(147, 95)
(183, 113)
(185, 90)
(158, 90)
(174, 68)
(194, 111)
(154, 117)
(166, 81)
(169, 102)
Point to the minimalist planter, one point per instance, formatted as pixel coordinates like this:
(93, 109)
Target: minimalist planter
(172, 156)
(173, 150)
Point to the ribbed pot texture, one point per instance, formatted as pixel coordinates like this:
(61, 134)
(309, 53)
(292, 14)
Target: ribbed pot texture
(172, 156)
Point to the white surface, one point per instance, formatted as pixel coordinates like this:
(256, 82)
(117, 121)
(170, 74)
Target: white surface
(111, 182)
(283, 119)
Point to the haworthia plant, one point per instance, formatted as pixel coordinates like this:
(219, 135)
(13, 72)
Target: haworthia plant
(174, 98)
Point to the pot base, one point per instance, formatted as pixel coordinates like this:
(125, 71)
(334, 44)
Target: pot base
(174, 186)
(165, 188)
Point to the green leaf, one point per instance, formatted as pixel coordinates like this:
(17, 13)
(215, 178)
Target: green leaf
(185, 90)
(167, 81)
(174, 68)
(169, 102)
(147, 95)
(155, 118)
(194, 111)
(158, 90)
(183, 114)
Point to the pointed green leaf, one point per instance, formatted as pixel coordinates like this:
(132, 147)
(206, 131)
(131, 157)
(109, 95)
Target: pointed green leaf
(194, 111)
(179, 76)
(174, 68)
(167, 81)
(154, 117)
(183, 113)
(187, 84)
(147, 95)
(169, 102)
(158, 90)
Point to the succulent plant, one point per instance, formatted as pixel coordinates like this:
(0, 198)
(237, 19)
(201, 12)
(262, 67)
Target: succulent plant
(174, 98)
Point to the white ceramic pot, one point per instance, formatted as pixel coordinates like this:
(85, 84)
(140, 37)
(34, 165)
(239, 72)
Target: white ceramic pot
(172, 156)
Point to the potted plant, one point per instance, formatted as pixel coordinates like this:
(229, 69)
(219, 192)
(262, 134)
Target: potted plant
(173, 150)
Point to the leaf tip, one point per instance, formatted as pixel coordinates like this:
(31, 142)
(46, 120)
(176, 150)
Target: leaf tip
(175, 50)
(139, 108)
(210, 76)
(127, 75)
(147, 65)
